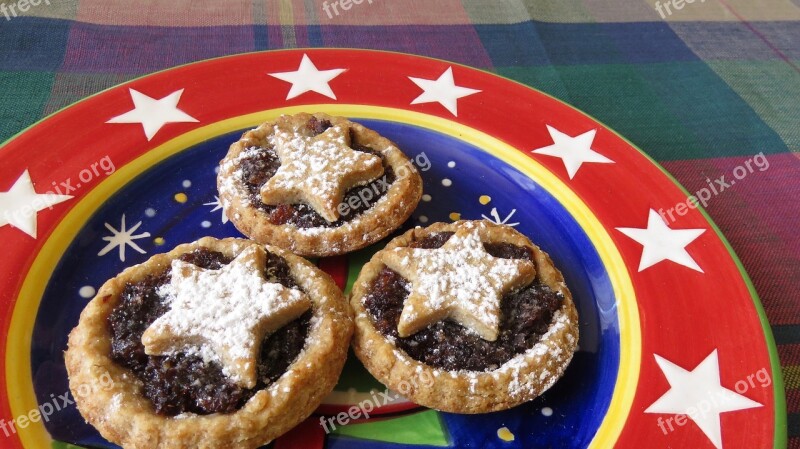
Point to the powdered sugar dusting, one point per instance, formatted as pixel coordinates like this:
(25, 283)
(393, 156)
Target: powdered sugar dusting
(115, 403)
(523, 382)
(526, 374)
(381, 205)
(233, 186)
(460, 280)
(223, 315)
(317, 170)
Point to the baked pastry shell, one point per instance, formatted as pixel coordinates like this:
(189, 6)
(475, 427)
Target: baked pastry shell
(521, 379)
(124, 416)
(385, 215)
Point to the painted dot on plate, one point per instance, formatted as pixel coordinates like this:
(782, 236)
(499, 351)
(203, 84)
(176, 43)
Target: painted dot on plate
(504, 434)
(150, 212)
(423, 219)
(205, 224)
(484, 199)
(158, 241)
(455, 216)
(447, 182)
(186, 183)
(426, 198)
(547, 411)
(87, 291)
(216, 169)
(181, 197)
(451, 164)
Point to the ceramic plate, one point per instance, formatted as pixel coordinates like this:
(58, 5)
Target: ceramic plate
(674, 350)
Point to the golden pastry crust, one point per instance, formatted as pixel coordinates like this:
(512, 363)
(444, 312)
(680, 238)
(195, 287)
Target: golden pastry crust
(124, 416)
(386, 215)
(521, 379)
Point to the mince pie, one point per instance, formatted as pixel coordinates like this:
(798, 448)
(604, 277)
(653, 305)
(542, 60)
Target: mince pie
(474, 308)
(218, 343)
(317, 185)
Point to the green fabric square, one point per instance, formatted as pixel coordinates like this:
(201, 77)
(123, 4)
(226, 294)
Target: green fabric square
(681, 110)
(423, 428)
(562, 11)
(69, 88)
(723, 123)
(772, 89)
(22, 100)
(544, 78)
(618, 96)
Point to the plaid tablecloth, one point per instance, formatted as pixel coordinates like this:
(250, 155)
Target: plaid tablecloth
(703, 86)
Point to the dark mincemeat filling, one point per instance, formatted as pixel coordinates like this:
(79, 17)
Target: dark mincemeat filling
(259, 168)
(525, 316)
(182, 383)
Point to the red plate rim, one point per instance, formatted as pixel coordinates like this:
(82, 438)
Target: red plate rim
(607, 142)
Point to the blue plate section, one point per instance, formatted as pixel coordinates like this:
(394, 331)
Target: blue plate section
(456, 175)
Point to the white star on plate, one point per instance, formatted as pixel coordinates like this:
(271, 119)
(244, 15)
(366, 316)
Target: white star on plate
(122, 238)
(442, 90)
(573, 151)
(308, 78)
(217, 206)
(660, 242)
(152, 113)
(20, 204)
(699, 395)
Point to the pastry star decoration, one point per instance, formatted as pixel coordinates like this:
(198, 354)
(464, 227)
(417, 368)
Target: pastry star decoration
(318, 170)
(460, 281)
(223, 315)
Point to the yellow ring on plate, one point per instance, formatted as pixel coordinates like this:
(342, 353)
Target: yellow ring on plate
(18, 373)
